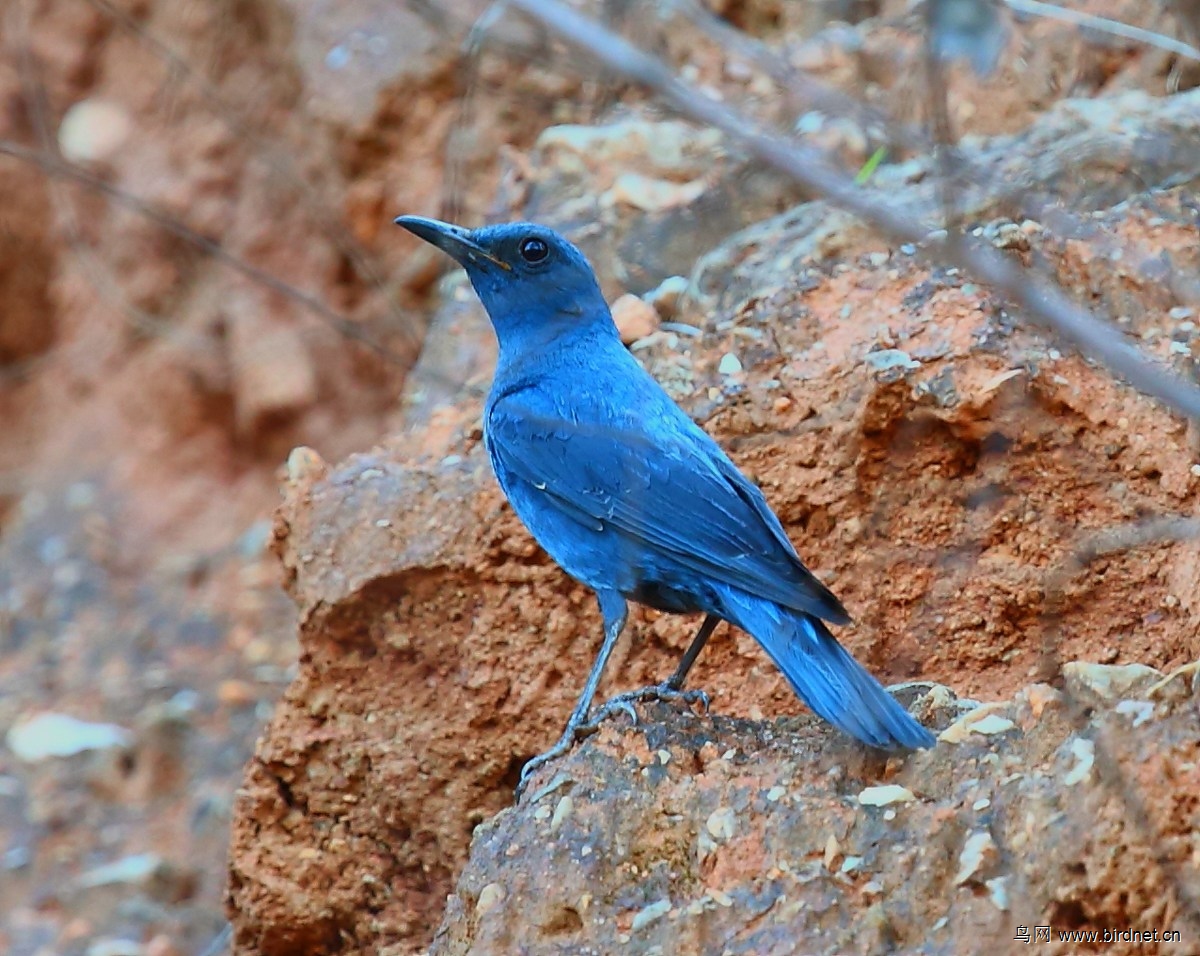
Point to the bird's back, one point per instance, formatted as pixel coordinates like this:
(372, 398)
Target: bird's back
(625, 491)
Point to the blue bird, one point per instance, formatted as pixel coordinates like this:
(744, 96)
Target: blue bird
(631, 497)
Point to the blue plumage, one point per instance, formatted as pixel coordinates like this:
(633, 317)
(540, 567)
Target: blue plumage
(629, 495)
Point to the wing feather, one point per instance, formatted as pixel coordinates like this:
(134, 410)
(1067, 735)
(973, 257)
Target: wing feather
(676, 493)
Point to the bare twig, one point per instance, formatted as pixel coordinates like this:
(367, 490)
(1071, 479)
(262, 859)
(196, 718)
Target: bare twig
(1104, 25)
(1044, 301)
(814, 93)
(60, 168)
(280, 160)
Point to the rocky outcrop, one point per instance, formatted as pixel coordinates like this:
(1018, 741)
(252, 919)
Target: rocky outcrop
(719, 836)
(961, 484)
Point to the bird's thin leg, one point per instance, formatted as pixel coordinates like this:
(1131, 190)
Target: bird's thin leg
(675, 681)
(614, 611)
(672, 687)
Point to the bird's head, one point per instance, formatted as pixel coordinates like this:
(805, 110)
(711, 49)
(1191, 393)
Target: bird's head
(526, 275)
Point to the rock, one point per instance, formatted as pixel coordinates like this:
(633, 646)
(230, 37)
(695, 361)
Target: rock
(882, 795)
(764, 885)
(667, 296)
(730, 364)
(93, 130)
(409, 571)
(1108, 682)
(1064, 156)
(148, 872)
(60, 735)
(635, 318)
(115, 947)
(979, 853)
(629, 193)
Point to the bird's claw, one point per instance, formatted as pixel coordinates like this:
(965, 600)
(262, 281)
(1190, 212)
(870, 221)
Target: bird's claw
(621, 704)
(611, 709)
(664, 691)
(565, 743)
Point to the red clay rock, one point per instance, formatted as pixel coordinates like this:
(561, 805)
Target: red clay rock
(938, 468)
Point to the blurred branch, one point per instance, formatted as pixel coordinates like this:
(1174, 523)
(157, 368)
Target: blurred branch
(55, 166)
(1044, 301)
(1089, 547)
(1104, 25)
(977, 184)
(1155, 531)
(280, 160)
(816, 94)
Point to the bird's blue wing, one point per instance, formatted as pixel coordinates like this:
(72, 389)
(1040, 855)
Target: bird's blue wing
(674, 493)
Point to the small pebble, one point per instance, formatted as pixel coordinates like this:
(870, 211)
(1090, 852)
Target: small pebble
(721, 824)
(649, 914)
(562, 811)
(1084, 752)
(635, 318)
(730, 364)
(93, 130)
(883, 795)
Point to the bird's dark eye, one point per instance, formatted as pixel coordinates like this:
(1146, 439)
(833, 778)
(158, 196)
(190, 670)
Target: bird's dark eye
(534, 249)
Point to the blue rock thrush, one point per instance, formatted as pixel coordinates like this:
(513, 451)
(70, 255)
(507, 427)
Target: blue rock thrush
(631, 497)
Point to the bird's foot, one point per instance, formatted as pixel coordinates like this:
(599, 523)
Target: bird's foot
(623, 703)
(575, 731)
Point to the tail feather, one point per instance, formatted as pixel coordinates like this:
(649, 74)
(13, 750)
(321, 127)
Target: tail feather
(827, 678)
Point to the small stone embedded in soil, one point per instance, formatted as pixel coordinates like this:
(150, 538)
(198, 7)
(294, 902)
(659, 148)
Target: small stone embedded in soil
(720, 898)
(1140, 710)
(60, 735)
(730, 364)
(1040, 696)
(149, 872)
(883, 795)
(562, 811)
(115, 947)
(885, 359)
(987, 724)
(303, 463)
(721, 824)
(832, 851)
(634, 317)
(649, 914)
(1084, 752)
(93, 130)
(775, 794)
(998, 892)
(1108, 682)
(489, 896)
(978, 851)
(666, 297)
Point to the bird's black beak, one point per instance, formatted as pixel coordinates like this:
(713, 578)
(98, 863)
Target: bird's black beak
(453, 240)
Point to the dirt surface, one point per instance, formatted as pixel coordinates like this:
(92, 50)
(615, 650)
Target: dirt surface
(212, 282)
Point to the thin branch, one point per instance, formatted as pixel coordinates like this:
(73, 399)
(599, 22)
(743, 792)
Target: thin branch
(1044, 301)
(1104, 25)
(813, 92)
(63, 169)
(280, 160)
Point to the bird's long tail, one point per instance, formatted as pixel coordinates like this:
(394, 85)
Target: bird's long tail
(825, 676)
